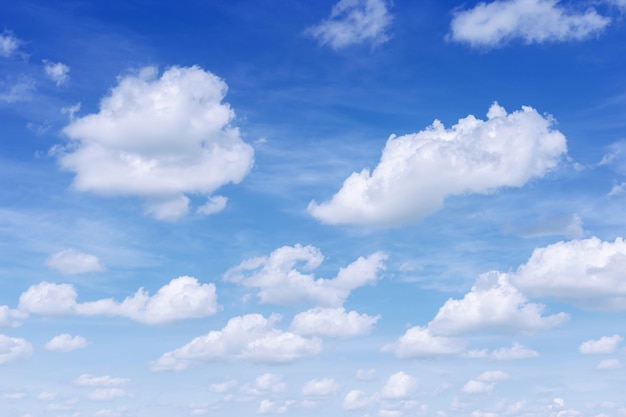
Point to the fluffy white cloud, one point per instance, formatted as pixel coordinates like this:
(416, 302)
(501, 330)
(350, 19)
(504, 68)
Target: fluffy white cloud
(12, 349)
(588, 273)
(106, 394)
(66, 343)
(270, 383)
(354, 22)
(320, 387)
(9, 317)
(182, 298)
(419, 342)
(214, 204)
(9, 44)
(332, 322)
(282, 279)
(492, 305)
(87, 380)
(532, 21)
(71, 261)
(399, 386)
(477, 387)
(356, 400)
(609, 364)
(516, 351)
(158, 138)
(606, 344)
(251, 337)
(418, 171)
(57, 72)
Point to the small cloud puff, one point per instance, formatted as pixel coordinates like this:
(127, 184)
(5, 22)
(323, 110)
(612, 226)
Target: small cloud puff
(71, 262)
(66, 343)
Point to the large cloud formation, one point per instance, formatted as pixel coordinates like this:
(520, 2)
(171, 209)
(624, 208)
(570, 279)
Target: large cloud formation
(159, 138)
(533, 21)
(418, 171)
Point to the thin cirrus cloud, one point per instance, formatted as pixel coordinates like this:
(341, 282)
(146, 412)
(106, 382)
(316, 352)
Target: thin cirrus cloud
(252, 338)
(71, 261)
(159, 138)
(183, 298)
(531, 21)
(354, 22)
(418, 171)
(282, 278)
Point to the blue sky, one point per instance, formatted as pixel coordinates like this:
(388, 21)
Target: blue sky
(354, 207)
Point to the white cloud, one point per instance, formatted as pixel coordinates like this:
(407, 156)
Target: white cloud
(251, 337)
(12, 91)
(106, 394)
(609, 364)
(365, 374)
(66, 343)
(477, 387)
(71, 261)
(320, 387)
(12, 349)
(493, 376)
(619, 3)
(606, 344)
(223, 387)
(332, 322)
(587, 272)
(214, 204)
(282, 279)
(9, 317)
(492, 305)
(270, 382)
(353, 22)
(158, 138)
(532, 21)
(356, 400)
(516, 351)
(182, 298)
(9, 44)
(399, 386)
(418, 171)
(273, 407)
(87, 380)
(57, 72)
(419, 342)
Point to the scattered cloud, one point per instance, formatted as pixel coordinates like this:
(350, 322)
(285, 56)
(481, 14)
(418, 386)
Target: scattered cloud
(87, 380)
(66, 343)
(357, 400)
(418, 171)
(354, 22)
(515, 352)
(57, 72)
(419, 342)
(606, 344)
(399, 386)
(492, 305)
(251, 338)
(214, 204)
(332, 322)
(532, 21)
(106, 394)
(13, 91)
(13, 348)
(477, 387)
(568, 226)
(183, 298)
(9, 44)
(159, 138)
(609, 365)
(587, 272)
(282, 279)
(71, 262)
(365, 374)
(224, 387)
(10, 318)
(320, 387)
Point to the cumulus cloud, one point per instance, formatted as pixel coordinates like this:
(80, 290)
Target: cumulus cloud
(71, 261)
(419, 342)
(356, 400)
(353, 22)
(418, 171)
(57, 72)
(587, 272)
(159, 138)
(332, 322)
(251, 338)
(516, 351)
(320, 387)
(214, 204)
(66, 343)
(9, 44)
(12, 349)
(477, 387)
(282, 277)
(399, 386)
(606, 344)
(532, 21)
(609, 365)
(492, 305)
(9, 317)
(182, 298)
